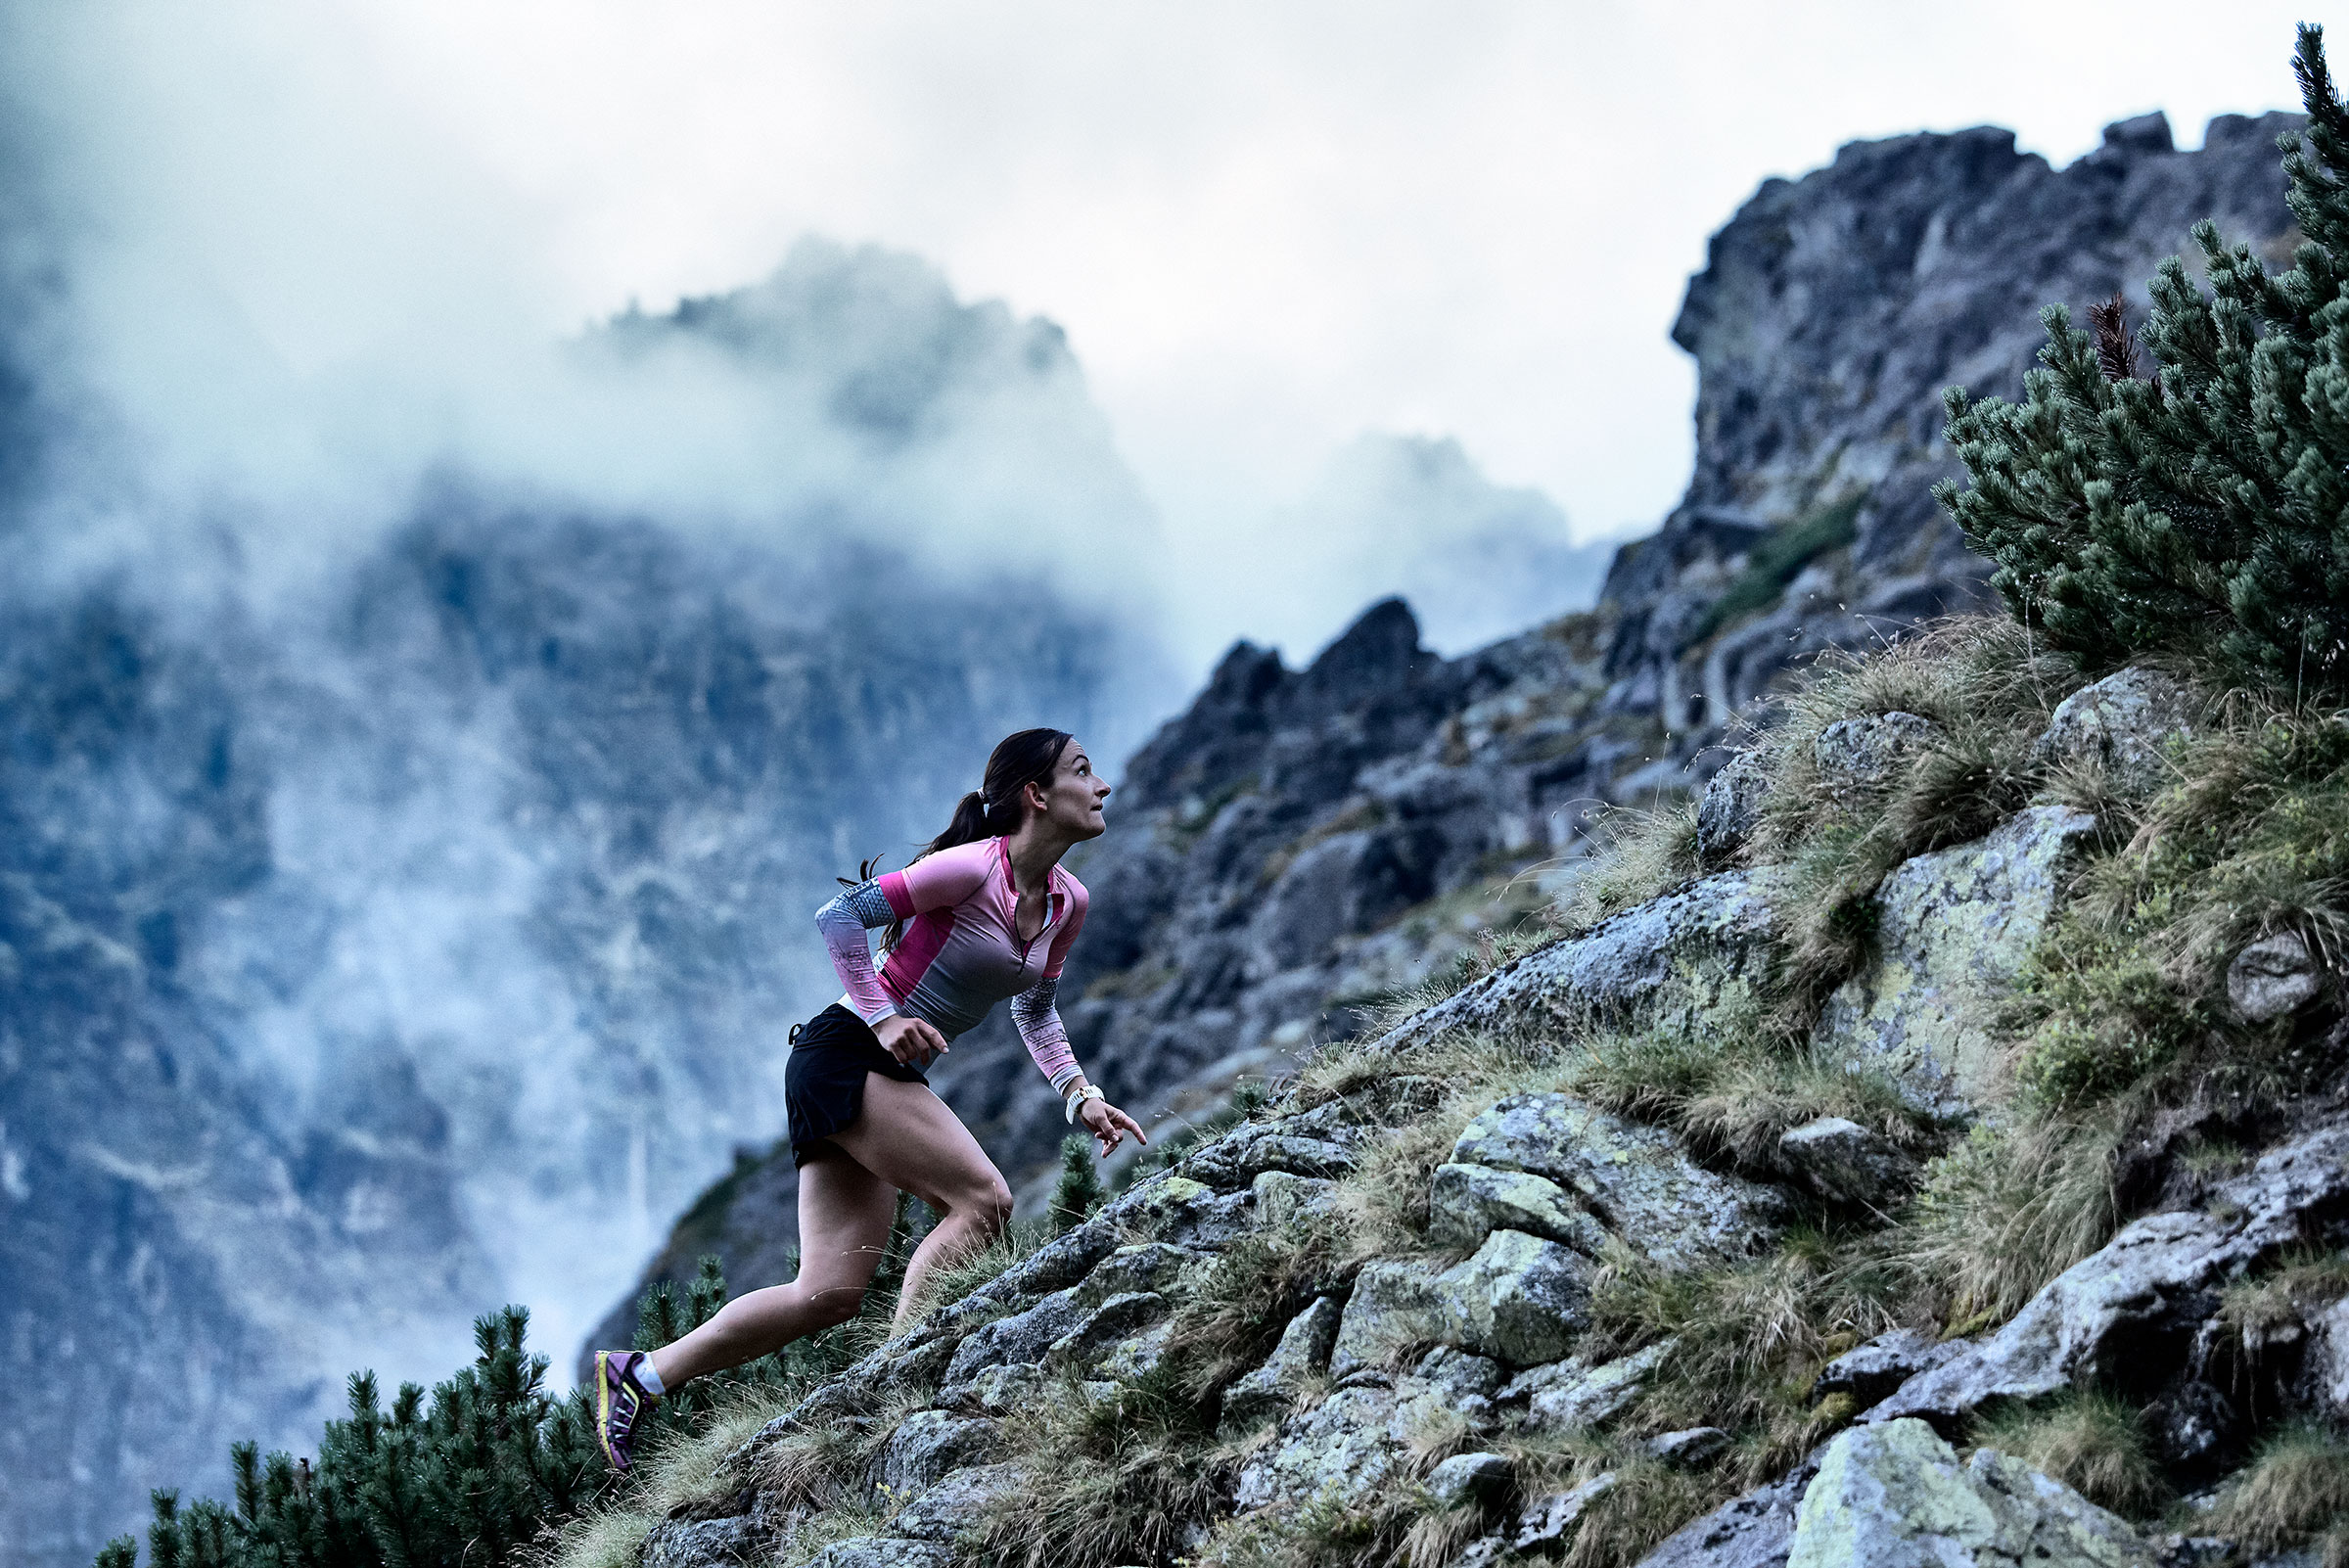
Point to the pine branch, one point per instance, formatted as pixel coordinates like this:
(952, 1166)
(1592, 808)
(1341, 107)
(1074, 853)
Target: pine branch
(2116, 344)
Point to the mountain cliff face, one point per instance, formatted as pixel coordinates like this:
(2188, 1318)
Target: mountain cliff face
(1831, 311)
(1300, 843)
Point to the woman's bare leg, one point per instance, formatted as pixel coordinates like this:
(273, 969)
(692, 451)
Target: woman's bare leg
(845, 1214)
(907, 1138)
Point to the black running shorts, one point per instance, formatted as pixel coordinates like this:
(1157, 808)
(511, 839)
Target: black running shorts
(823, 1077)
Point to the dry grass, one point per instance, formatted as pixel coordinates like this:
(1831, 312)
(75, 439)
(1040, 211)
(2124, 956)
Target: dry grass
(1119, 1481)
(2127, 995)
(1321, 1533)
(820, 1467)
(2090, 1442)
(681, 1471)
(1233, 1316)
(2294, 1491)
(604, 1536)
(951, 1284)
(2271, 1308)
(1639, 855)
(1437, 1537)
(2006, 1212)
(1987, 690)
(1733, 1081)
(1751, 1335)
(1384, 1198)
(1982, 679)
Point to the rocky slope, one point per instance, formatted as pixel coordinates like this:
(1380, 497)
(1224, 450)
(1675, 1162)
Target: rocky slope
(1478, 1290)
(1301, 840)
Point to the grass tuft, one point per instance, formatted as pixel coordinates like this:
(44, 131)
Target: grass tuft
(1639, 855)
(2091, 1441)
(1751, 1335)
(2006, 1211)
(2295, 1489)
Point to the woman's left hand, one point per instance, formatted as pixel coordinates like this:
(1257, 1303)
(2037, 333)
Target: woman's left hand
(1109, 1125)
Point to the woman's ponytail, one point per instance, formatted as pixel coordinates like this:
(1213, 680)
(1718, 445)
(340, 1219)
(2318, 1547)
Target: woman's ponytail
(994, 809)
(970, 823)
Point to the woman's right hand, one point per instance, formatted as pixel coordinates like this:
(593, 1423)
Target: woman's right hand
(909, 1040)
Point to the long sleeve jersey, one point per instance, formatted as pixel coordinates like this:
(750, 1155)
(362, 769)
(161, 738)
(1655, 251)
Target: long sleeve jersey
(962, 951)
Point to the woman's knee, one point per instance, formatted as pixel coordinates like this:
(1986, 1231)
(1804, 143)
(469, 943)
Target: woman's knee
(987, 1199)
(829, 1305)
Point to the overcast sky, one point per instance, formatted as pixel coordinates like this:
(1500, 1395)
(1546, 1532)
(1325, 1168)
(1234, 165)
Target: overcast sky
(1267, 225)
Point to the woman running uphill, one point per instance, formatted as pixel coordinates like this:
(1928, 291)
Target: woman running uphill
(984, 913)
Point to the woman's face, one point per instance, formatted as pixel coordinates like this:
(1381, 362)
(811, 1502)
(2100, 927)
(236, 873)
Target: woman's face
(1072, 802)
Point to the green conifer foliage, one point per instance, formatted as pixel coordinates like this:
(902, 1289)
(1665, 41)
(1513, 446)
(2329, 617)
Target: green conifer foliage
(2204, 506)
(465, 1476)
(1079, 1190)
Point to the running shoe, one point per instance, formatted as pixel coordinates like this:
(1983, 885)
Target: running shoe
(619, 1400)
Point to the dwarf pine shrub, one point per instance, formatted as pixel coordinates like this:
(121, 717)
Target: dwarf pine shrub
(2203, 506)
(1079, 1190)
(473, 1472)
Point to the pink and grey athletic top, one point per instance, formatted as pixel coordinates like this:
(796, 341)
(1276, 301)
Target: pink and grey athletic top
(961, 952)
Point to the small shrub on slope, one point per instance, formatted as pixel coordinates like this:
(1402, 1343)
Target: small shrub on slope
(487, 1468)
(2205, 506)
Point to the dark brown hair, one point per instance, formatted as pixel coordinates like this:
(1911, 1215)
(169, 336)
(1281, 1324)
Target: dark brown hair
(992, 809)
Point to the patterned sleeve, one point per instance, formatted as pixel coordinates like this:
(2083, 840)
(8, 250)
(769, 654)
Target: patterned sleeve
(1036, 1009)
(1036, 1012)
(843, 922)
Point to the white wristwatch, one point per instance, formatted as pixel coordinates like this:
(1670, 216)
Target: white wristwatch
(1078, 1095)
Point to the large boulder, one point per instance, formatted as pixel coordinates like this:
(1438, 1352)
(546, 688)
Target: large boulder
(1339, 1451)
(1466, 1203)
(1021, 1339)
(1699, 941)
(1953, 931)
(960, 1502)
(1896, 1496)
(1845, 1164)
(2128, 1312)
(700, 1543)
(1578, 1394)
(1869, 1373)
(1752, 1530)
(1730, 810)
(1856, 754)
(1239, 1157)
(2125, 723)
(1637, 1178)
(1367, 1433)
(2273, 976)
(927, 1445)
(1116, 1321)
(882, 1551)
(1518, 1299)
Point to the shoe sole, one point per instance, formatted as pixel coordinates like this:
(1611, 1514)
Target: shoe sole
(603, 1411)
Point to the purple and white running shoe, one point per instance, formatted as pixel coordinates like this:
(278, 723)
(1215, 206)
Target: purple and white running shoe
(620, 1398)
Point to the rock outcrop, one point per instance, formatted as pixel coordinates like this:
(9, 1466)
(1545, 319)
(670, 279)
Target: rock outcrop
(1953, 931)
